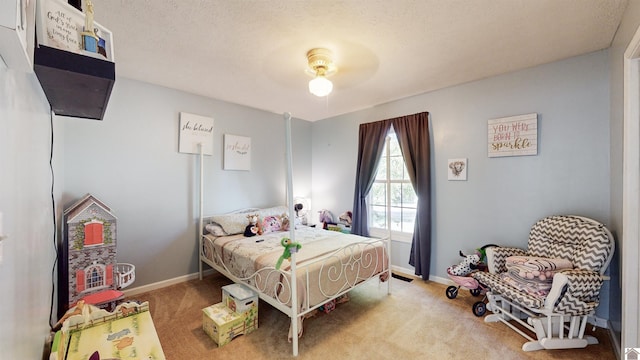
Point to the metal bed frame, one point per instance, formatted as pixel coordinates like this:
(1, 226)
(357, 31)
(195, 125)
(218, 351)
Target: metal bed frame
(334, 265)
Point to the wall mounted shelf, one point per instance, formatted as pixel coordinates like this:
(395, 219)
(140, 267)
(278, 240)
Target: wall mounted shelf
(76, 85)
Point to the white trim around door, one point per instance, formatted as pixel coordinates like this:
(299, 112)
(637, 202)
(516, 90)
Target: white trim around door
(630, 252)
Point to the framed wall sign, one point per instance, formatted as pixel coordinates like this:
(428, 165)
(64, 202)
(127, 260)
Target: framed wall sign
(194, 130)
(60, 25)
(457, 169)
(513, 136)
(237, 152)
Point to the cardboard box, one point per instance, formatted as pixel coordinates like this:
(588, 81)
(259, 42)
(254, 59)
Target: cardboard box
(222, 324)
(244, 301)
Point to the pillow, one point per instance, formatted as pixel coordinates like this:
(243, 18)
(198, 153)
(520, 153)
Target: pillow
(231, 223)
(273, 211)
(236, 222)
(245, 211)
(271, 224)
(215, 229)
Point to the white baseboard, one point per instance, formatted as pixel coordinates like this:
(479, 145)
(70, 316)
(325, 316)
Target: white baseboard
(599, 322)
(440, 280)
(615, 342)
(164, 283)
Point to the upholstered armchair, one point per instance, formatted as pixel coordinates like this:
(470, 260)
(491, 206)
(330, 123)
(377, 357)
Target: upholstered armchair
(553, 287)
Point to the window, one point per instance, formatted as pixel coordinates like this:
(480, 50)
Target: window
(392, 201)
(94, 277)
(93, 232)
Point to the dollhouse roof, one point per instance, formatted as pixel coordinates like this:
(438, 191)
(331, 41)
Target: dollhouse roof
(79, 206)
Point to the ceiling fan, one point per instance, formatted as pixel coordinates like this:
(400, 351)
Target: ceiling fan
(320, 67)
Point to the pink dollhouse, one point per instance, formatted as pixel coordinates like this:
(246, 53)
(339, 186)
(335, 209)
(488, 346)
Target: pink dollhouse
(88, 269)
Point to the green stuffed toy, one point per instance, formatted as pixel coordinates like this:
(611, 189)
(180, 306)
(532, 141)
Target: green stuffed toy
(289, 247)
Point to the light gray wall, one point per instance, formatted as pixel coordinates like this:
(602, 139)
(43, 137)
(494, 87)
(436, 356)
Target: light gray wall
(26, 204)
(130, 161)
(628, 28)
(502, 197)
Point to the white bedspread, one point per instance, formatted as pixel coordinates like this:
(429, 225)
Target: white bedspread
(331, 261)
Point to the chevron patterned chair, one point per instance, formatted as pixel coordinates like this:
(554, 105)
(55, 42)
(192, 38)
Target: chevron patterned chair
(557, 318)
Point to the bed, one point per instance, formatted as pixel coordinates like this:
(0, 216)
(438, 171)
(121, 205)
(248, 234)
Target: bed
(328, 265)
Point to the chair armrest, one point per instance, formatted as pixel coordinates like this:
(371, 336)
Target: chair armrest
(497, 257)
(575, 292)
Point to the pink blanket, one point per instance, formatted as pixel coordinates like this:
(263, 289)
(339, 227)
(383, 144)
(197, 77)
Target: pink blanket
(533, 274)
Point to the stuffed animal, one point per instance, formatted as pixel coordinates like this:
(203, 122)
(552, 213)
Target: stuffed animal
(325, 216)
(253, 228)
(471, 262)
(289, 247)
(346, 217)
(467, 265)
(285, 222)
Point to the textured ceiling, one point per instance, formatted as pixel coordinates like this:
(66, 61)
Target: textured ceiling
(253, 52)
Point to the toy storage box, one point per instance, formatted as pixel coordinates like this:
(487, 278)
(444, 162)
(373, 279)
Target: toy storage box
(244, 301)
(221, 323)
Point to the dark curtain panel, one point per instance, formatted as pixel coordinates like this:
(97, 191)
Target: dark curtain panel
(413, 136)
(371, 140)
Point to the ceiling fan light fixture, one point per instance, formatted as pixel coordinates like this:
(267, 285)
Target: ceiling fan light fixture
(320, 86)
(320, 66)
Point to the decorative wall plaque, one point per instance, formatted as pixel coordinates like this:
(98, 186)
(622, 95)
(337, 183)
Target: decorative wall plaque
(513, 136)
(237, 152)
(195, 130)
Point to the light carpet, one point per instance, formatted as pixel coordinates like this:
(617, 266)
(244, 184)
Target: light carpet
(417, 321)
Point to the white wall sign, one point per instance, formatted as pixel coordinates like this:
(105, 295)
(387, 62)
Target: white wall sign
(194, 130)
(513, 136)
(59, 25)
(457, 169)
(237, 152)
